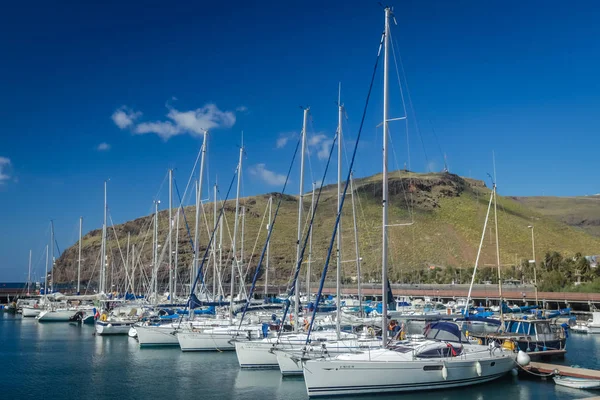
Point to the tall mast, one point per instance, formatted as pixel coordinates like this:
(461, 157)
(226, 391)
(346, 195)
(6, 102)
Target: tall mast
(176, 256)
(300, 201)
(196, 238)
(220, 253)
(46, 276)
(338, 292)
(199, 205)
(235, 229)
(242, 283)
(52, 254)
(29, 274)
(102, 284)
(127, 265)
(79, 258)
(214, 247)
(268, 249)
(310, 239)
(384, 225)
(133, 270)
(497, 241)
(356, 249)
(170, 236)
(155, 251)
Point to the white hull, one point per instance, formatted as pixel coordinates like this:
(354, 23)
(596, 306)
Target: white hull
(30, 312)
(341, 377)
(56, 315)
(289, 361)
(112, 328)
(577, 383)
(205, 341)
(156, 335)
(256, 354)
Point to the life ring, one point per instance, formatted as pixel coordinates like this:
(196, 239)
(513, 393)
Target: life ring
(451, 349)
(103, 317)
(371, 331)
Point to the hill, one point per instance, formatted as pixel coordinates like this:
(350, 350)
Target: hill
(579, 211)
(436, 219)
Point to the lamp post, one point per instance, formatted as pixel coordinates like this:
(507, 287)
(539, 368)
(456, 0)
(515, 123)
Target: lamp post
(534, 266)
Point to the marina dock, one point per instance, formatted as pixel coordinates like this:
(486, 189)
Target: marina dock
(563, 370)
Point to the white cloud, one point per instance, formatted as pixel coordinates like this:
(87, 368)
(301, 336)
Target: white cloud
(4, 169)
(103, 147)
(320, 144)
(284, 138)
(267, 176)
(125, 117)
(194, 122)
(241, 109)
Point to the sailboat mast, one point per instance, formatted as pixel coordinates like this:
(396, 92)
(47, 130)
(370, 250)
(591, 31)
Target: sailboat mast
(310, 239)
(356, 249)
(300, 201)
(242, 283)
(102, 283)
(498, 254)
(338, 291)
(29, 274)
(214, 247)
(268, 249)
(79, 258)
(46, 276)
(170, 236)
(196, 237)
(155, 251)
(220, 254)
(384, 226)
(199, 205)
(52, 255)
(127, 265)
(235, 229)
(176, 255)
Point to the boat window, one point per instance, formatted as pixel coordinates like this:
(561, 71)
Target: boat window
(523, 327)
(512, 326)
(432, 367)
(544, 328)
(493, 363)
(532, 330)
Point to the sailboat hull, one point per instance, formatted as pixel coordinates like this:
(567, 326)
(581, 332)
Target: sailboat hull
(104, 328)
(201, 341)
(30, 312)
(156, 336)
(256, 354)
(56, 315)
(337, 377)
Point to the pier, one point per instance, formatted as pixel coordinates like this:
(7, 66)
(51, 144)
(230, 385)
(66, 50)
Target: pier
(554, 369)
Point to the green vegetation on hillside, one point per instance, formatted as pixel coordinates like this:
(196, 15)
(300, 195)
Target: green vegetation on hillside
(436, 221)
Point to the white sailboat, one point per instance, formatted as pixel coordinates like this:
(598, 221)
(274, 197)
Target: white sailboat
(444, 359)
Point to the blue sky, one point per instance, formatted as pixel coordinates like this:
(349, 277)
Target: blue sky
(120, 90)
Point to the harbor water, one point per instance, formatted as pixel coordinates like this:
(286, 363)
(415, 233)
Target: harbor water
(66, 361)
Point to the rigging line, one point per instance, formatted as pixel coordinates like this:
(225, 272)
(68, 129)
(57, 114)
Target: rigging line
(410, 179)
(306, 238)
(256, 241)
(402, 95)
(436, 140)
(272, 225)
(187, 226)
(200, 268)
(337, 222)
(412, 108)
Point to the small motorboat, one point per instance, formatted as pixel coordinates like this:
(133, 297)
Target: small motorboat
(576, 383)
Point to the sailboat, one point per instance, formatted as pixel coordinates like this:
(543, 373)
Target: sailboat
(446, 358)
